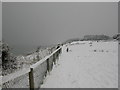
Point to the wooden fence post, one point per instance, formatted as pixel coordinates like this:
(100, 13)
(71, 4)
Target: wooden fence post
(51, 63)
(56, 55)
(60, 50)
(31, 79)
(48, 66)
(55, 58)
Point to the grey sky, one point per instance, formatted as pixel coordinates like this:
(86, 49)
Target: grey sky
(60, 0)
(0, 21)
(119, 16)
(33, 24)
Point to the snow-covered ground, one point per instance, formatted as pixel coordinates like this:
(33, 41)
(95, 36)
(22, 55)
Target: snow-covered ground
(87, 65)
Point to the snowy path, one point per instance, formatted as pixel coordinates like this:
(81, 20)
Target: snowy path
(86, 66)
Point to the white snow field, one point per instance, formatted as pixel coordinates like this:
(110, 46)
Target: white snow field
(86, 65)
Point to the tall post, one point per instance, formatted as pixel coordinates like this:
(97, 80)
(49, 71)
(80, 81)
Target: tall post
(55, 58)
(48, 65)
(51, 63)
(31, 79)
(60, 50)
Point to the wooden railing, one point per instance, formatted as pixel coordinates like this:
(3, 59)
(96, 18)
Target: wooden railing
(37, 71)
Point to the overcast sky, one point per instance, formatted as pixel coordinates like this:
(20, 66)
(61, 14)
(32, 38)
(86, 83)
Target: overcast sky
(33, 24)
(0, 21)
(60, 0)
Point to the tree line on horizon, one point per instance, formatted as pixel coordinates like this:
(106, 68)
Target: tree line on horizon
(94, 38)
(97, 37)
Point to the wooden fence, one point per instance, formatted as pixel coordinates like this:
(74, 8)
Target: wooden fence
(34, 76)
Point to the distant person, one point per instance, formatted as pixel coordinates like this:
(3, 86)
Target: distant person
(67, 49)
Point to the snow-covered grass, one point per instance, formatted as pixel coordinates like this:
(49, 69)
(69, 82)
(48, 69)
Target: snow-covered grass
(22, 62)
(20, 79)
(88, 64)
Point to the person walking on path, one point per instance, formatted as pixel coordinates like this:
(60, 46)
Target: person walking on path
(67, 49)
